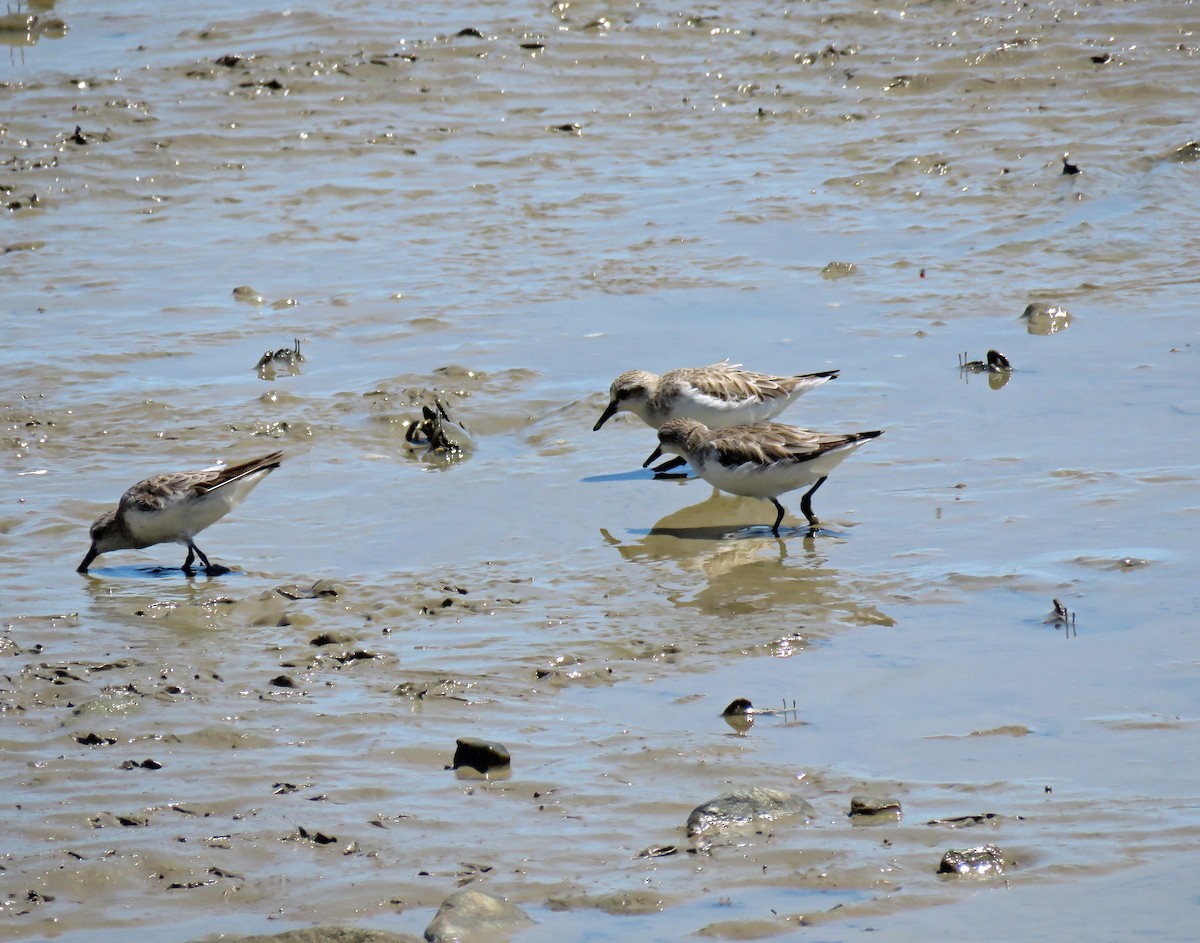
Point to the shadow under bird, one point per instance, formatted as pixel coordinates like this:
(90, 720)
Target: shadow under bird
(175, 507)
(759, 460)
(718, 395)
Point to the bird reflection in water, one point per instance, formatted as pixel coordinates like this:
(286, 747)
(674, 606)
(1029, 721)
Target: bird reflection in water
(751, 574)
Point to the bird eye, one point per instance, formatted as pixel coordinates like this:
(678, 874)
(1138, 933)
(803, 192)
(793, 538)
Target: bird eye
(625, 393)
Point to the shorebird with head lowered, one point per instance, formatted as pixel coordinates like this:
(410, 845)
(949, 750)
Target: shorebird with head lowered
(759, 460)
(718, 395)
(175, 507)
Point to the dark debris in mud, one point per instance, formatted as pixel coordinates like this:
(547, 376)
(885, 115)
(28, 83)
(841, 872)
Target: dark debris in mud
(966, 821)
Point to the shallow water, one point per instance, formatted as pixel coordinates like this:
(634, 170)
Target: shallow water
(405, 201)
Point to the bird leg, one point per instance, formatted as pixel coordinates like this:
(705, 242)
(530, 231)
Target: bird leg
(193, 552)
(806, 502)
(778, 517)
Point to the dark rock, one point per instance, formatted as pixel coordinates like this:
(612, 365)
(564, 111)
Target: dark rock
(982, 861)
(319, 838)
(746, 807)
(472, 917)
(330, 638)
(869, 807)
(145, 764)
(94, 740)
(480, 755)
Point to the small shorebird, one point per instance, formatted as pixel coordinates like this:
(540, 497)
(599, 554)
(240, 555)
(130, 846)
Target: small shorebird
(719, 395)
(175, 508)
(762, 460)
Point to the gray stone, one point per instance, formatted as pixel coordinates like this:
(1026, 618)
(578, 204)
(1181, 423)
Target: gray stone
(475, 917)
(480, 755)
(869, 807)
(746, 807)
(981, 861)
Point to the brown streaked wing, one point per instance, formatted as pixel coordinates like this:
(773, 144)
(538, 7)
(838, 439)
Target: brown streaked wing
(770, 442)
(222, 476)
(726, 381)
(151, 494)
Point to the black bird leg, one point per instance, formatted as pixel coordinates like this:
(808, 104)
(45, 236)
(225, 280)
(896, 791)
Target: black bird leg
(193, 552)
(778, 517)
(806, 502)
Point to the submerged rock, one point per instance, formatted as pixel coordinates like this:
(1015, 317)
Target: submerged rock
(483, 756)
(618, 903)
(325, 935)
(1045, 319)
(471, 916)
(839, 270)
(981, 861)
(1185, 153)
(248, 295)
(746, 807)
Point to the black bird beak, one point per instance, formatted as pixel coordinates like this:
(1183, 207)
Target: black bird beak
(654, 457)
(609, 411)
(87, 561)
(668, 465)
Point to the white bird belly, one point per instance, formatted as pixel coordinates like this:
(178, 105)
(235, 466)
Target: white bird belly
(752, 480)
(756, 480)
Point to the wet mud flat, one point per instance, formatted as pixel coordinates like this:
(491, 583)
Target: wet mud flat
(469, 228)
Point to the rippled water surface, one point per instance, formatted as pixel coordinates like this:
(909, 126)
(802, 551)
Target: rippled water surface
(506, 205)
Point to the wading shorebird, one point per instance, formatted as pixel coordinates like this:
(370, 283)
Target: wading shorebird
(760, 460)
(718, 395)
(174, 508)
